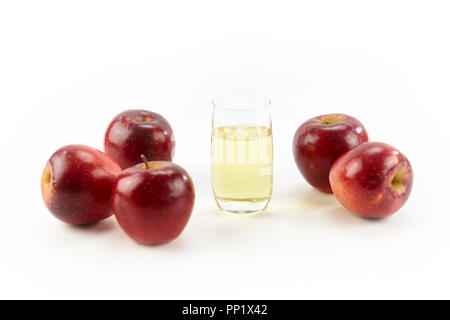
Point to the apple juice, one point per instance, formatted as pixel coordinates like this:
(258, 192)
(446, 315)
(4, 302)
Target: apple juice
(242, 164)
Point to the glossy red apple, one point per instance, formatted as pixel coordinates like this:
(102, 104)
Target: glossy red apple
(153, 201)
(135, 132)
(372, 180)
(77, 183)
(320, 141)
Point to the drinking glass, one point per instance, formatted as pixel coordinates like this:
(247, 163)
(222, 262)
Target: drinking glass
(241, 153)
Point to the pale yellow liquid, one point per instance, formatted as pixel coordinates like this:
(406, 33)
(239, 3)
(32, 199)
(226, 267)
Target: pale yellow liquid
(242, 163)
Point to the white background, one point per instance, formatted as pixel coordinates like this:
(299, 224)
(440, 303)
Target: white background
(68, 67)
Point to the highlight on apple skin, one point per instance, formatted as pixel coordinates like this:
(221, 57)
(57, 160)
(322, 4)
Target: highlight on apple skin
(153, 201)
(76, 184)
(319, 141)
(135, 132)
(372, 180)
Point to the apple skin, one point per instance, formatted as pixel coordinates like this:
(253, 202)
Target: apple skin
(319, 141)
(76, 184)
(372, 180)
(153, 205)
(135, 132)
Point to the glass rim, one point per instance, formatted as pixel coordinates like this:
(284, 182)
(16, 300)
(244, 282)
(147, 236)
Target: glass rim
(241, 102)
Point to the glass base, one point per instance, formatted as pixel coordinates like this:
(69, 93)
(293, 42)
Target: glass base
(242, 207)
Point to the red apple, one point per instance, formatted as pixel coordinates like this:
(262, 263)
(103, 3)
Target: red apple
(320, 141)
(135, 132)
(153, 201)
(76, 184)
(373, 180)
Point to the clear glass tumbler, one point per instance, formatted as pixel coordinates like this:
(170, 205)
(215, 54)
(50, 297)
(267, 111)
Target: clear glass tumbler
(241, 153)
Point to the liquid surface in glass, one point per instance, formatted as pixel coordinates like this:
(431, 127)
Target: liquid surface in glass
(242, 163)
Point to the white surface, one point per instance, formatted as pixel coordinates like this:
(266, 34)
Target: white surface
(67, 69)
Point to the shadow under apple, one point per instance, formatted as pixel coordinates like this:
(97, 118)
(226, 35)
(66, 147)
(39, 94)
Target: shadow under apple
(100, 227)
(312, 206)
(344, 216)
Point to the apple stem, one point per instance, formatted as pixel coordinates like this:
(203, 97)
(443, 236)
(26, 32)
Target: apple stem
(144, 159)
